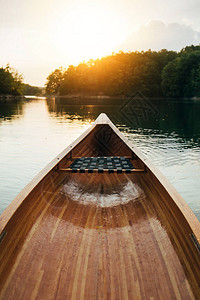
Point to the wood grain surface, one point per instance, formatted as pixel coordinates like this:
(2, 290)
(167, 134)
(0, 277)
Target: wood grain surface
(73, 250)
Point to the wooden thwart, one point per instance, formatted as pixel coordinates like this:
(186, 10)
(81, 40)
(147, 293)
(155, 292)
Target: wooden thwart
(77, 157)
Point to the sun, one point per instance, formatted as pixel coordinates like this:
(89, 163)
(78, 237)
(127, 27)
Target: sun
(87, 32)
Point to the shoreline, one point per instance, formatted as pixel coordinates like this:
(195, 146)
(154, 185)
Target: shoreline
(11, 97)
(76, 97)
(136, 95)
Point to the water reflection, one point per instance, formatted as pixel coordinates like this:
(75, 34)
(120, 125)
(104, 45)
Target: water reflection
(178, 117)
(172, 117)
(10, 109)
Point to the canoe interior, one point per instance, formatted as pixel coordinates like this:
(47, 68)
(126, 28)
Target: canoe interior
(102, 236)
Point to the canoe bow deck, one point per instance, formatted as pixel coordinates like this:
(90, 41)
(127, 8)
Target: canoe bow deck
(99, 235)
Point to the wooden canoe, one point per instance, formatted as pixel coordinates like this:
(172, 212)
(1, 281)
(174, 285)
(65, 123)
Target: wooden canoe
(99, 235)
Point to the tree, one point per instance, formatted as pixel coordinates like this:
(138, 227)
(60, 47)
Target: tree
(31, 90)
(17, 88)
(155, 74)
(69, 82)
(54, 81)
(195, 80)
(10, 81)
(6, 81)
(180, 77)
(170, 79)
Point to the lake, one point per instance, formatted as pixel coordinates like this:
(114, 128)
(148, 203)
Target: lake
(34, 130)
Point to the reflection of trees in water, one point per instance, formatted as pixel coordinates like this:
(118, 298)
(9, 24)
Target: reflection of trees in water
(83, 109)
(167, 116)
(181, 118)
(11, 108)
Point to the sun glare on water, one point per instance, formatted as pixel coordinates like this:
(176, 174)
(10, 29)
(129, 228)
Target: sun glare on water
(87, 32)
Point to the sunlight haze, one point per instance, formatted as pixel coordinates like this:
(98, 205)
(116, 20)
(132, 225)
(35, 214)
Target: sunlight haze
(39, 36)
(94, 32)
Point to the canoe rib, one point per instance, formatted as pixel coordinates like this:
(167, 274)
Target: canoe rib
(90, 235)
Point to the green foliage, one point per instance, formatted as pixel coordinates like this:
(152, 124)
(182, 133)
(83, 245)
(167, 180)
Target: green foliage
(155, 74)
(190, 49)
(6, 81)
(54, 81)
(170, 82)
(181, 77)
(17, 83)
(195, 80)
(31, 90)
(10, 81)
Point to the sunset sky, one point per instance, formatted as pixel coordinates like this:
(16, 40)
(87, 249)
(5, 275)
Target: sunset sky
(38, 36)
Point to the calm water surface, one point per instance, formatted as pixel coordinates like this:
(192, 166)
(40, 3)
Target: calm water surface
(33, 131)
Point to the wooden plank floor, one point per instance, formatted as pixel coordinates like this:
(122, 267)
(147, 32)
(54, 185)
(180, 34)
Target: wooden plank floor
(81, 246)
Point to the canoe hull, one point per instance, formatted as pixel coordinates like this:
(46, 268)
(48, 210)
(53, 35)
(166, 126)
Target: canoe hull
(110, 236)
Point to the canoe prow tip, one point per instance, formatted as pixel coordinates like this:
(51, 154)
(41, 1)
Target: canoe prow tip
(102, 119)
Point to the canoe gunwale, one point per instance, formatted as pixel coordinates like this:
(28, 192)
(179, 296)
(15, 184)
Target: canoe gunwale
(149, 167)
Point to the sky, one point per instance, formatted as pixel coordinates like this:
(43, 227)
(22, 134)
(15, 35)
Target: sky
(38, 36)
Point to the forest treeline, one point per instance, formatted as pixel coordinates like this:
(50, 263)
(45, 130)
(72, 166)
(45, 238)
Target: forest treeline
(11, 83)
(155, 74)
